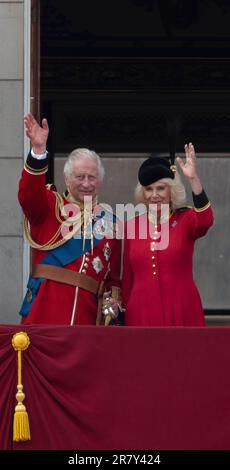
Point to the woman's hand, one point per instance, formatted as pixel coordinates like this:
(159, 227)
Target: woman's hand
(189, 166)
(38, 135)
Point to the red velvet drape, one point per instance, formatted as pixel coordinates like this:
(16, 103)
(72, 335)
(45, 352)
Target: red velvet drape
(119, 387)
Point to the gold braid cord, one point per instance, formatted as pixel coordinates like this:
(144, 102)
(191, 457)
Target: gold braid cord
(52, 243)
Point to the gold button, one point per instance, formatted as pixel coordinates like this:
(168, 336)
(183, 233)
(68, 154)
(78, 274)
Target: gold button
(153, 257)
(154, 273)
(86, 258)
(154, 265)
(83, 271)
(86, 265)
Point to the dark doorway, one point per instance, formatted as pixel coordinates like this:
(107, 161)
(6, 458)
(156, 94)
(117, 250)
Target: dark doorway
(136, 75)
(130, 77)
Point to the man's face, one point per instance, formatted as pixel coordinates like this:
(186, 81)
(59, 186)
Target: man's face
(84, 179)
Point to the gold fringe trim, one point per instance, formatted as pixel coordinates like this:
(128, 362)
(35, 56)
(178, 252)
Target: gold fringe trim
(21, 426)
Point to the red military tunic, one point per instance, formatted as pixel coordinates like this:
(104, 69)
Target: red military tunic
(57, 303)
(158, 288)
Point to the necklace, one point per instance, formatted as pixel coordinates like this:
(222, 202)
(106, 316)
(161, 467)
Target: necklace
(165, 215)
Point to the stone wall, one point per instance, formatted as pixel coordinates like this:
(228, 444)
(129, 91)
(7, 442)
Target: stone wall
(11, 157)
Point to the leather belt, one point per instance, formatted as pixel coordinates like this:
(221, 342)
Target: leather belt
(67, 276)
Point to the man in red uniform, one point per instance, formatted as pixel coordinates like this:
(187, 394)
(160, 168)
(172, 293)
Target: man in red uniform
(76, 256)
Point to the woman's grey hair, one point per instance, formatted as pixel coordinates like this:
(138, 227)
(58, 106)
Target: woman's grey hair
(178, 193)
(79, 154)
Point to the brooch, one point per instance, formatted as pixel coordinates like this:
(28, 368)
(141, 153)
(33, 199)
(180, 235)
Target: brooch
(97, 264)
(107, 251)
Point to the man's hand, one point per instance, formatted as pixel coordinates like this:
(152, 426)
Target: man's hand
(38, 135)
(110, 308)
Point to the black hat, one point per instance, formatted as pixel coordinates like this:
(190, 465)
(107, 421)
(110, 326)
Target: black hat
(154, 169)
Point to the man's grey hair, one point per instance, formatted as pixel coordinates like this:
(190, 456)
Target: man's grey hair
(79, 154)
(177, 190)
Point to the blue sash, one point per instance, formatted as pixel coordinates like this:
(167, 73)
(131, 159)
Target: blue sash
(60, 256)
(65, 254)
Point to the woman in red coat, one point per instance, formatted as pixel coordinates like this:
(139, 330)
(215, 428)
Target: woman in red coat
(158, 288)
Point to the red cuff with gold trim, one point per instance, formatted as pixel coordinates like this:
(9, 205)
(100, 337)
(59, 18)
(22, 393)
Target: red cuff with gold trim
(35, 166)
(201, 200)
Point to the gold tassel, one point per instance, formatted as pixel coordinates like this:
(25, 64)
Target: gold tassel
(21, 426)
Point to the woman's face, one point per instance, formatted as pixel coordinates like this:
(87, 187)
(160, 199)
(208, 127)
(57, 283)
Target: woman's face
(157, 193)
